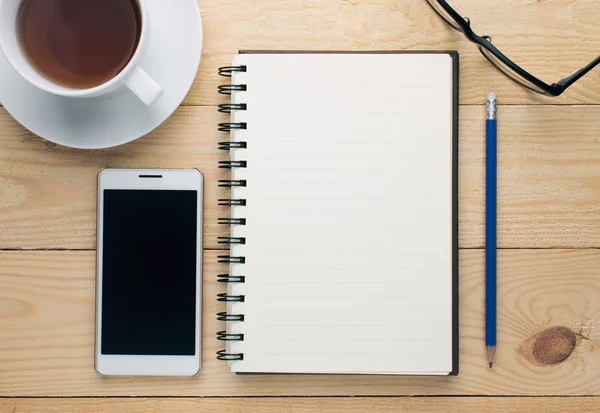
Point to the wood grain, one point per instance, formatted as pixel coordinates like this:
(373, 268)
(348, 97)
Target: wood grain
(550, 38)
(306, 405)
(47, 323)
(549, 186)
(48, 192)
(549, 197)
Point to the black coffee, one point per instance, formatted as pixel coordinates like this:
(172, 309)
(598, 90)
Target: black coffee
(79, 43)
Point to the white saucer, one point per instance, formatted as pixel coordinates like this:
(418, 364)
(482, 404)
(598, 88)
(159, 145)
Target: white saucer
(175, 47)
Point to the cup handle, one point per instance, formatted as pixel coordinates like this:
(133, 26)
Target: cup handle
(143, 86)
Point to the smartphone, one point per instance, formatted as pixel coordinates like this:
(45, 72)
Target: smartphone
(149, 272)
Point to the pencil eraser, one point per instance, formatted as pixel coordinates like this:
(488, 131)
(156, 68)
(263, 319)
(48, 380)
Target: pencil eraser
(491, 96)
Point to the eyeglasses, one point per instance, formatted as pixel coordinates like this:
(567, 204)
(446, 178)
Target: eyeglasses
(498, 59)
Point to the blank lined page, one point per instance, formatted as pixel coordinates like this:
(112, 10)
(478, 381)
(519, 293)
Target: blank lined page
(349, 213)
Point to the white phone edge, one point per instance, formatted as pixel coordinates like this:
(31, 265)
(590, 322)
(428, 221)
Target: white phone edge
(134, 365)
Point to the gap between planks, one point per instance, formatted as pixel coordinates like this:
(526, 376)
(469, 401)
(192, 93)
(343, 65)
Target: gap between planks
(227, 249)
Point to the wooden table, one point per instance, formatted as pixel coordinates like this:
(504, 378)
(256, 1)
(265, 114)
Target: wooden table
(549, 223)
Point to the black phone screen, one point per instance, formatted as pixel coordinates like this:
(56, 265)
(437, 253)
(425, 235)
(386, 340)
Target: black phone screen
(149, 260)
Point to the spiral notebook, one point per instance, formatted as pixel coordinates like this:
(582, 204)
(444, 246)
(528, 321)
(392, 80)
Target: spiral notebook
(343, 245)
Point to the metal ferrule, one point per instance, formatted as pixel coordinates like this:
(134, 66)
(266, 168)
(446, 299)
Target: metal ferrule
(490, 107)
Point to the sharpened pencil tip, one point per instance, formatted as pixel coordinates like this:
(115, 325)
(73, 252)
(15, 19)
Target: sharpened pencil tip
(491, 350)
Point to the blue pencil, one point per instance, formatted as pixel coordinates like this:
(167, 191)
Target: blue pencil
(490, 228)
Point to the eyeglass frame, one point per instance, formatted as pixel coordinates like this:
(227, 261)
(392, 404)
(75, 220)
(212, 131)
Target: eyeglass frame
(554, 89)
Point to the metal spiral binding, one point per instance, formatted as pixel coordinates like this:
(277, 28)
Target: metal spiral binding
(229, 89)
(232, 221)
(229, 107)
(225, 336)
(234, 202)
(223, 316)
(230, 183)
(223, 355)
(226, 278)
(231, 240)
(226, 298)
(228, 70)
(230, 259)
(233, 164)
(226, 146)
(229, 126)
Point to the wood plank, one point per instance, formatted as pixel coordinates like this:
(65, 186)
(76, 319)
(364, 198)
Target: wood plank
(550, 38)
(548, 177)
(47, 323)
(48, 192)
(307, 405)
(549, 189)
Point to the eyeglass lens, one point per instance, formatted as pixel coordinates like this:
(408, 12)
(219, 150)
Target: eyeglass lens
(508, 71)
(444, 14)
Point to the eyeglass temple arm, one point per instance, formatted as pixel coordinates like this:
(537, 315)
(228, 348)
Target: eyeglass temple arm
(576, 75)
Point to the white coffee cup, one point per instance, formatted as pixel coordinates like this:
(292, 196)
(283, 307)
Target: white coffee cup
(132, 76)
